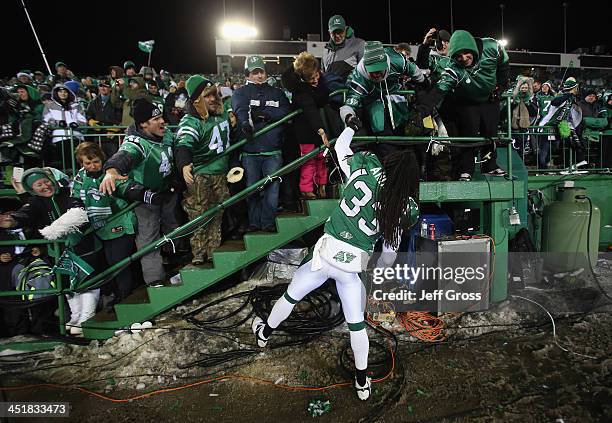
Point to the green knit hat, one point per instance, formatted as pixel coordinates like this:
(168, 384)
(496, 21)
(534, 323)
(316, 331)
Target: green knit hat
(196, 84)
(569, 84)
(58, 64)
(374, 57)
(128, 64)
(32, 175)
(253, 62)
(336, 22)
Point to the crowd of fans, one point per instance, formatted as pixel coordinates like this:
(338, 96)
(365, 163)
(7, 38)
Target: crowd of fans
(177, 173)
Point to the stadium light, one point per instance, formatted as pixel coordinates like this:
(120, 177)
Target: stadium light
(503, 42)
(237, 31)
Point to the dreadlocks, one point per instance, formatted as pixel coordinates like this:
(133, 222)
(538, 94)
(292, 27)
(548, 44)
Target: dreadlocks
(397, 184)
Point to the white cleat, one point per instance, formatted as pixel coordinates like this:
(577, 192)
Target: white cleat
(257, 326)
(364, 392)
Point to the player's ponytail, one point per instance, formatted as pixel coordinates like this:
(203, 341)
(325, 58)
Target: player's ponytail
(401, 181)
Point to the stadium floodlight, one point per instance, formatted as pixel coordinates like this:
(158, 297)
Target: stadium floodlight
(237, 31)
(503, 42)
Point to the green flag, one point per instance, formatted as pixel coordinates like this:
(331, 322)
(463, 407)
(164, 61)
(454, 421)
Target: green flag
(146, 46)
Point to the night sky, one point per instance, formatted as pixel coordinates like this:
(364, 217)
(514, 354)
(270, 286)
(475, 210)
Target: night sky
(90, 36)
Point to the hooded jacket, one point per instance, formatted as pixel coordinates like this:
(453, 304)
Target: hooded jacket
(32, 107)
(63, 114)
(310, 99)
(341, 59)
(470, 85)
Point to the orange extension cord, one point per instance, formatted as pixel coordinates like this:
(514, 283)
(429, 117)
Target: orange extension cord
(424, 326)
(201, 382)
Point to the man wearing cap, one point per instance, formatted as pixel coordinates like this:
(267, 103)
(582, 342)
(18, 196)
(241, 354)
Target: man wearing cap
(24, 77)
(102, 112)
(565, 116)
(39, 78)
(344, 50)
(62, 74)
(478, 71)
(146, 158)
(373, 86)
(203, 134)
(257, 105)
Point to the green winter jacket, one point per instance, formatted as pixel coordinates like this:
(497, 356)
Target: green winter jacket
(476, 83)
(100, 207)
(375, 97)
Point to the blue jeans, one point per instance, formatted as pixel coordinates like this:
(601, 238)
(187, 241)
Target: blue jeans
(262, 205)
(544, 147)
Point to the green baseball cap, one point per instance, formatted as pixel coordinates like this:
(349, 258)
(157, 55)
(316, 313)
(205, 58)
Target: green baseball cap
(336, 22)
(254, 62)
(374, 57)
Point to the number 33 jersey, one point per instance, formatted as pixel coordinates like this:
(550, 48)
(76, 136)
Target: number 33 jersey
(354, 221)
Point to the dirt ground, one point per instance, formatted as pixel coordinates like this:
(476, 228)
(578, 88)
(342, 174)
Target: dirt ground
(500, 365)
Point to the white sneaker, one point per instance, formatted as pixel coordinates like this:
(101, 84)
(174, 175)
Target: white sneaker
(466, 177)
(76, 331)
(257, 326)
(364, 392)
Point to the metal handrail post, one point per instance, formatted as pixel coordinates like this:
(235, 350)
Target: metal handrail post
(509, 146)
(61, 312)
(72, 158)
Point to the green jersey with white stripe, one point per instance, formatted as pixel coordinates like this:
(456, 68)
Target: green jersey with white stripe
(100, 207)
(206, 139)
(153, 161)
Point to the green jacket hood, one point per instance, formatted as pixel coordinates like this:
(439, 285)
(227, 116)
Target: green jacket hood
(462, 40)
(33, 93)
